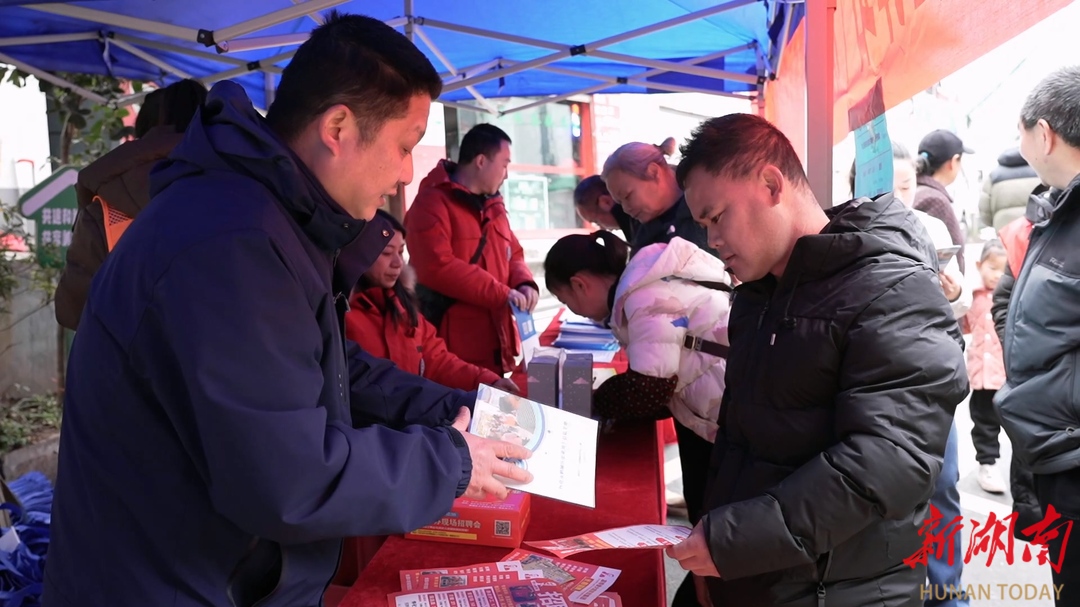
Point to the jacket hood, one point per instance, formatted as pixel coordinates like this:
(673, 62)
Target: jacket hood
(227, 134)
(678, 258)
(1011, 158)
(859, 229)
(152, 147)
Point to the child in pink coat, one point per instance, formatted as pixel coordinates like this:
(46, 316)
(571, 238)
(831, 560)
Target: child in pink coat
(986, 367)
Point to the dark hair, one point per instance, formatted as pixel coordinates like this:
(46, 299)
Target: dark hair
(149, 112)
(1057, 101)
(405, 296)
(991, 247)
(589, 191)
(737, 145)
(179, 102)
(601, 253)
(926, 165)
(483, 139)
(355, 61)
(899, 152)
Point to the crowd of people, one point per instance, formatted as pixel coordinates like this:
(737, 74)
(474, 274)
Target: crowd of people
(259, 373)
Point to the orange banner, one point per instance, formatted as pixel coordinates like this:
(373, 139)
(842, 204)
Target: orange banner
(908, 44)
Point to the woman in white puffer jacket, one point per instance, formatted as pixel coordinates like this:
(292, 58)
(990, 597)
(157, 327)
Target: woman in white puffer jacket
(668, 306)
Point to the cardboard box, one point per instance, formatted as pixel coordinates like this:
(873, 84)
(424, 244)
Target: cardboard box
(577, 384)
(500, 523)
(543, 380)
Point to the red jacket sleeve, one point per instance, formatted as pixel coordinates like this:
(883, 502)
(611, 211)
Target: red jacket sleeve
(444, 367)
(520, 274)
(427, 226)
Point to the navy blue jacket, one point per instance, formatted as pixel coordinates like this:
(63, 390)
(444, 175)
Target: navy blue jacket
(219, 436)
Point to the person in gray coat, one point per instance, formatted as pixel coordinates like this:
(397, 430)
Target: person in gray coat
(1039, 404)
(845, 368)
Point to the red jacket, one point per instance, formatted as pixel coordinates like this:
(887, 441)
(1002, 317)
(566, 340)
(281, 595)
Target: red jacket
(414, 349)
(443, 228)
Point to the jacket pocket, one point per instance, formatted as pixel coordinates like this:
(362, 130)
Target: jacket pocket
(257, 575)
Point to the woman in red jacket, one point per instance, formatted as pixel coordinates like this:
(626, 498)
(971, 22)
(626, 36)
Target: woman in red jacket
(383, 318)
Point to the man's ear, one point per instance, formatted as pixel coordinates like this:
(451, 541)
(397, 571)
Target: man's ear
(1046, 136)
(605, 202)
(332, 125)
(774, 181)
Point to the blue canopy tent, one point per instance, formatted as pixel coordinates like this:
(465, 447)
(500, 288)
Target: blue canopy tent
(551, 48)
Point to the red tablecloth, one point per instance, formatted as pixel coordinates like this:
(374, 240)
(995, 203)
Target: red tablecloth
(629, 480)
(626, 488)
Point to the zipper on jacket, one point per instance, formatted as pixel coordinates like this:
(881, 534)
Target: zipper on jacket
(821, 583)
(764, 311)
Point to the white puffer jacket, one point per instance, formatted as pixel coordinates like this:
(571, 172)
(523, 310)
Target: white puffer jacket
(657, 305)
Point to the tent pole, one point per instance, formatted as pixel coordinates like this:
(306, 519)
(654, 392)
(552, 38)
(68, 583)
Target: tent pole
(268, 88)
(262, 42)
(556, 98)
(568, 51)
(147, 57)
(472, 69)
(60, 82)
(671, 66)
(461, 106)
(409, 13)
(277, 17)
(180, 50)
(106, 18)
(316, 17)
(487, 105)
(49, 39)
(819, 98)
(262, 64)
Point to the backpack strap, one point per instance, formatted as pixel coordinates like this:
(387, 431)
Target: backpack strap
(711, 348)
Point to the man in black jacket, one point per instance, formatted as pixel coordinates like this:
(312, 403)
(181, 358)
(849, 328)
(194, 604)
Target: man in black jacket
(1039, 404)
(845, 368)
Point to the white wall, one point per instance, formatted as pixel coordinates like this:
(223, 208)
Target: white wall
(24, 134)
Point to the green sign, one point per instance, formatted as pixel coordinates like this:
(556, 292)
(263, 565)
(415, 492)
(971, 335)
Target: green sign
(52, 205)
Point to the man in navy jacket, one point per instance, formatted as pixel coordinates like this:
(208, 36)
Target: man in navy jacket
(220, 436)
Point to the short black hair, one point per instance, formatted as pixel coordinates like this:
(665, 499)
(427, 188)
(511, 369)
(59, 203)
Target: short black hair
(600, 253)
(483, 139)
(179, 102)
(737, 145)
(355, 61)
(1057, 101)
(589, 191)
(149, 112)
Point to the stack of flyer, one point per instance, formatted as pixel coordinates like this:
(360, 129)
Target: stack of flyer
(578, 333)
(521, 579)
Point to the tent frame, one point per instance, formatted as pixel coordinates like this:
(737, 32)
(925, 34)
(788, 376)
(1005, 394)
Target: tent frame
(230, 40)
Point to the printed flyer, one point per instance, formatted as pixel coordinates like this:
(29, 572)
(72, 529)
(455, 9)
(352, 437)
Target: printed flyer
(637, 536)
(563, 463)
(473, 575)
(532, 593)
(583, 583)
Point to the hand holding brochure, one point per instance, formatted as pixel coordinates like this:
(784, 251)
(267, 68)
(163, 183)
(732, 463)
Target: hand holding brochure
(637, 536)
(563, 463)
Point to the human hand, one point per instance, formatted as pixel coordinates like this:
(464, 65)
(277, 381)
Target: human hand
(487, 461)
(952, 288)
(518, 299)
(532, 297)
(507, 385)
(693, 554)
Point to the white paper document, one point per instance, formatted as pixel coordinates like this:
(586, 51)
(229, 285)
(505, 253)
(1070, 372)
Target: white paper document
(563, 463)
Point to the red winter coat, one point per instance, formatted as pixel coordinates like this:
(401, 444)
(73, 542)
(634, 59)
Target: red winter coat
(443, 228)
(414, 349)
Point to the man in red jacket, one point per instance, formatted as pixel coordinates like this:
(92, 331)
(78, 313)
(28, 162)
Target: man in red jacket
(465, 253)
